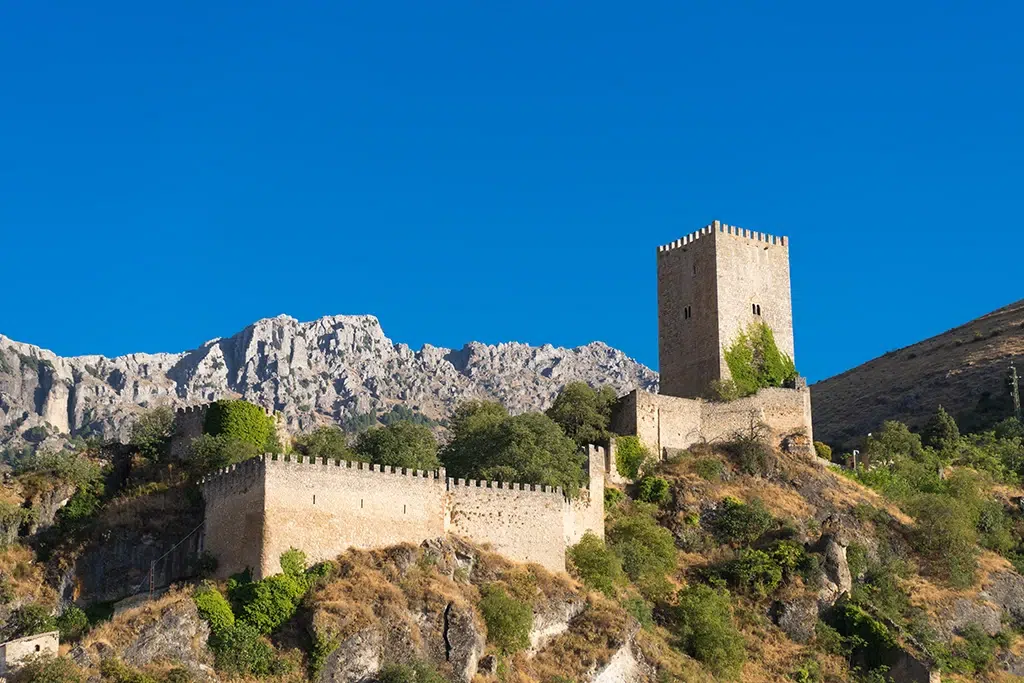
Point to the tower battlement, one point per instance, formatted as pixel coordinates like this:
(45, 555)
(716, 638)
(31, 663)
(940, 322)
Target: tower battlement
(725, 229)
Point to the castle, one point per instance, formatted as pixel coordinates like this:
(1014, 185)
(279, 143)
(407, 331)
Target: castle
(711, 285)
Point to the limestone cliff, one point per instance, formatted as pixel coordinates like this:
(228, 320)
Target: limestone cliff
(333, 368)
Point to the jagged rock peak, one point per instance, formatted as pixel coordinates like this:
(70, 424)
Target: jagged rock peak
(333, 368)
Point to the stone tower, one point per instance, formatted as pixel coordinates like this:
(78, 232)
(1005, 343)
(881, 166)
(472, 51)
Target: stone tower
(712, 284)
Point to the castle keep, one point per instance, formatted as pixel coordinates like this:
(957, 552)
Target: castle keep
(259, 508)
(712, 285)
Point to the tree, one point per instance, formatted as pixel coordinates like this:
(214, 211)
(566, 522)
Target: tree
(400, 444)
(583, 413)
(647, 549)
(596, 564)
(703, 621)
(508, 620)
(151, 433)
(530, 448)
(325, 442)
(945, 535)
(941, 432)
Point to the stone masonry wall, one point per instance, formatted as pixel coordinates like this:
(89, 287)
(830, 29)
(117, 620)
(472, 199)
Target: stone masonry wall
(188, 425)
(324, 509)
(257, 510)
(689, 353)
(13, 653)
(667, 422)
(233, 522)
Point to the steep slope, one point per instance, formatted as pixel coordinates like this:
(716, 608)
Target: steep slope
(956, 369)
(333, 368)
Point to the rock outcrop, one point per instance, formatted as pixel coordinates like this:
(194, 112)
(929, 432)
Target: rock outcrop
(332, 369)
(835, 579)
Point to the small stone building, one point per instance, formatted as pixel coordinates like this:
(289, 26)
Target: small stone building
(15, 652)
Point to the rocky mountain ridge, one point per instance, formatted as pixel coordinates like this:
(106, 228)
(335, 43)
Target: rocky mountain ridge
(330, 369)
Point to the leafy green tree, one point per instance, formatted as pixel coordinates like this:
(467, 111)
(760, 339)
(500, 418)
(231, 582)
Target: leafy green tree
(755, 572)
(325, 442)
(508, 620)
(400, 444)
(31, 619)
(530, 448)
(72, 623)
(214, 608)
(647, 549)
(945, 535)
(702, 619)
(630, 456)
(941, 432)
(242, 421)
(583, 413)
(596, 564)
(152, 431)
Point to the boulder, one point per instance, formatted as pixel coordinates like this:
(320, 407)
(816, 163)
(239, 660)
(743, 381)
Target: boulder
(797, 618)
(1006, 589)
(356, 660)
(178, 635)
(553, 618)
(834, 579)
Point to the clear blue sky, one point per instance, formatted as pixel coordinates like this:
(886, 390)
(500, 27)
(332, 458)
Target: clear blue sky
(171, 172)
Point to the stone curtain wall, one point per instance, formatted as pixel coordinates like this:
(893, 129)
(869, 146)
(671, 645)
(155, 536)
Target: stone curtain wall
(233, 523)
(259, 509)
(521, 524)
(324, 509)
(668, 422)
(708, 285)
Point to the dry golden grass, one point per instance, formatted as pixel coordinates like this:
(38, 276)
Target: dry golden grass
(120, 631)
(27, 577)
(594, 637)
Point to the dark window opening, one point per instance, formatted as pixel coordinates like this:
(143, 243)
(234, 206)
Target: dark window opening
(403, 509)
(314, 499)
(756, 309)
(360, 503)
(37, 648)
(694, 268)
(687, 313)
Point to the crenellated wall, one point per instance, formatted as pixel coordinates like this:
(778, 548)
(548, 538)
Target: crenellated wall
(259, 509)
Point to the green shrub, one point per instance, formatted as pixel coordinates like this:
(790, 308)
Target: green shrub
(830, 640)
(640, 610)
(116, 671)
(738, 523)
(417, 672)
(72, 623)
(214, 608)
(755, 572)
(975, 653)
(864, 633)
(210, 453)
(755, 361)
(751, 452)
(267, 604)
(508, 620)
(31, 619)
(293, 562)
(241, 650)
(630, 456)
(401, 444)
(702, 620)
(48, 669)
(654, 490)
(857, 559)
(647, 549)
(598, 567)
(709, 469)
(612, 497)
(791, 557)
(945, 536)
(239, 420)
(823, 450)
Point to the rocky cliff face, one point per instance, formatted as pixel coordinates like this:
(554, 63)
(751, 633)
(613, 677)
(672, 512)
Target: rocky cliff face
(333, 368)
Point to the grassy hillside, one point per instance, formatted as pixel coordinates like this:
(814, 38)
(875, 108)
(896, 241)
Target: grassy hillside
(963, 370)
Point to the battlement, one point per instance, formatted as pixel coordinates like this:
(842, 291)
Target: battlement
(202, 408)
(505, 485)
(724, 229)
